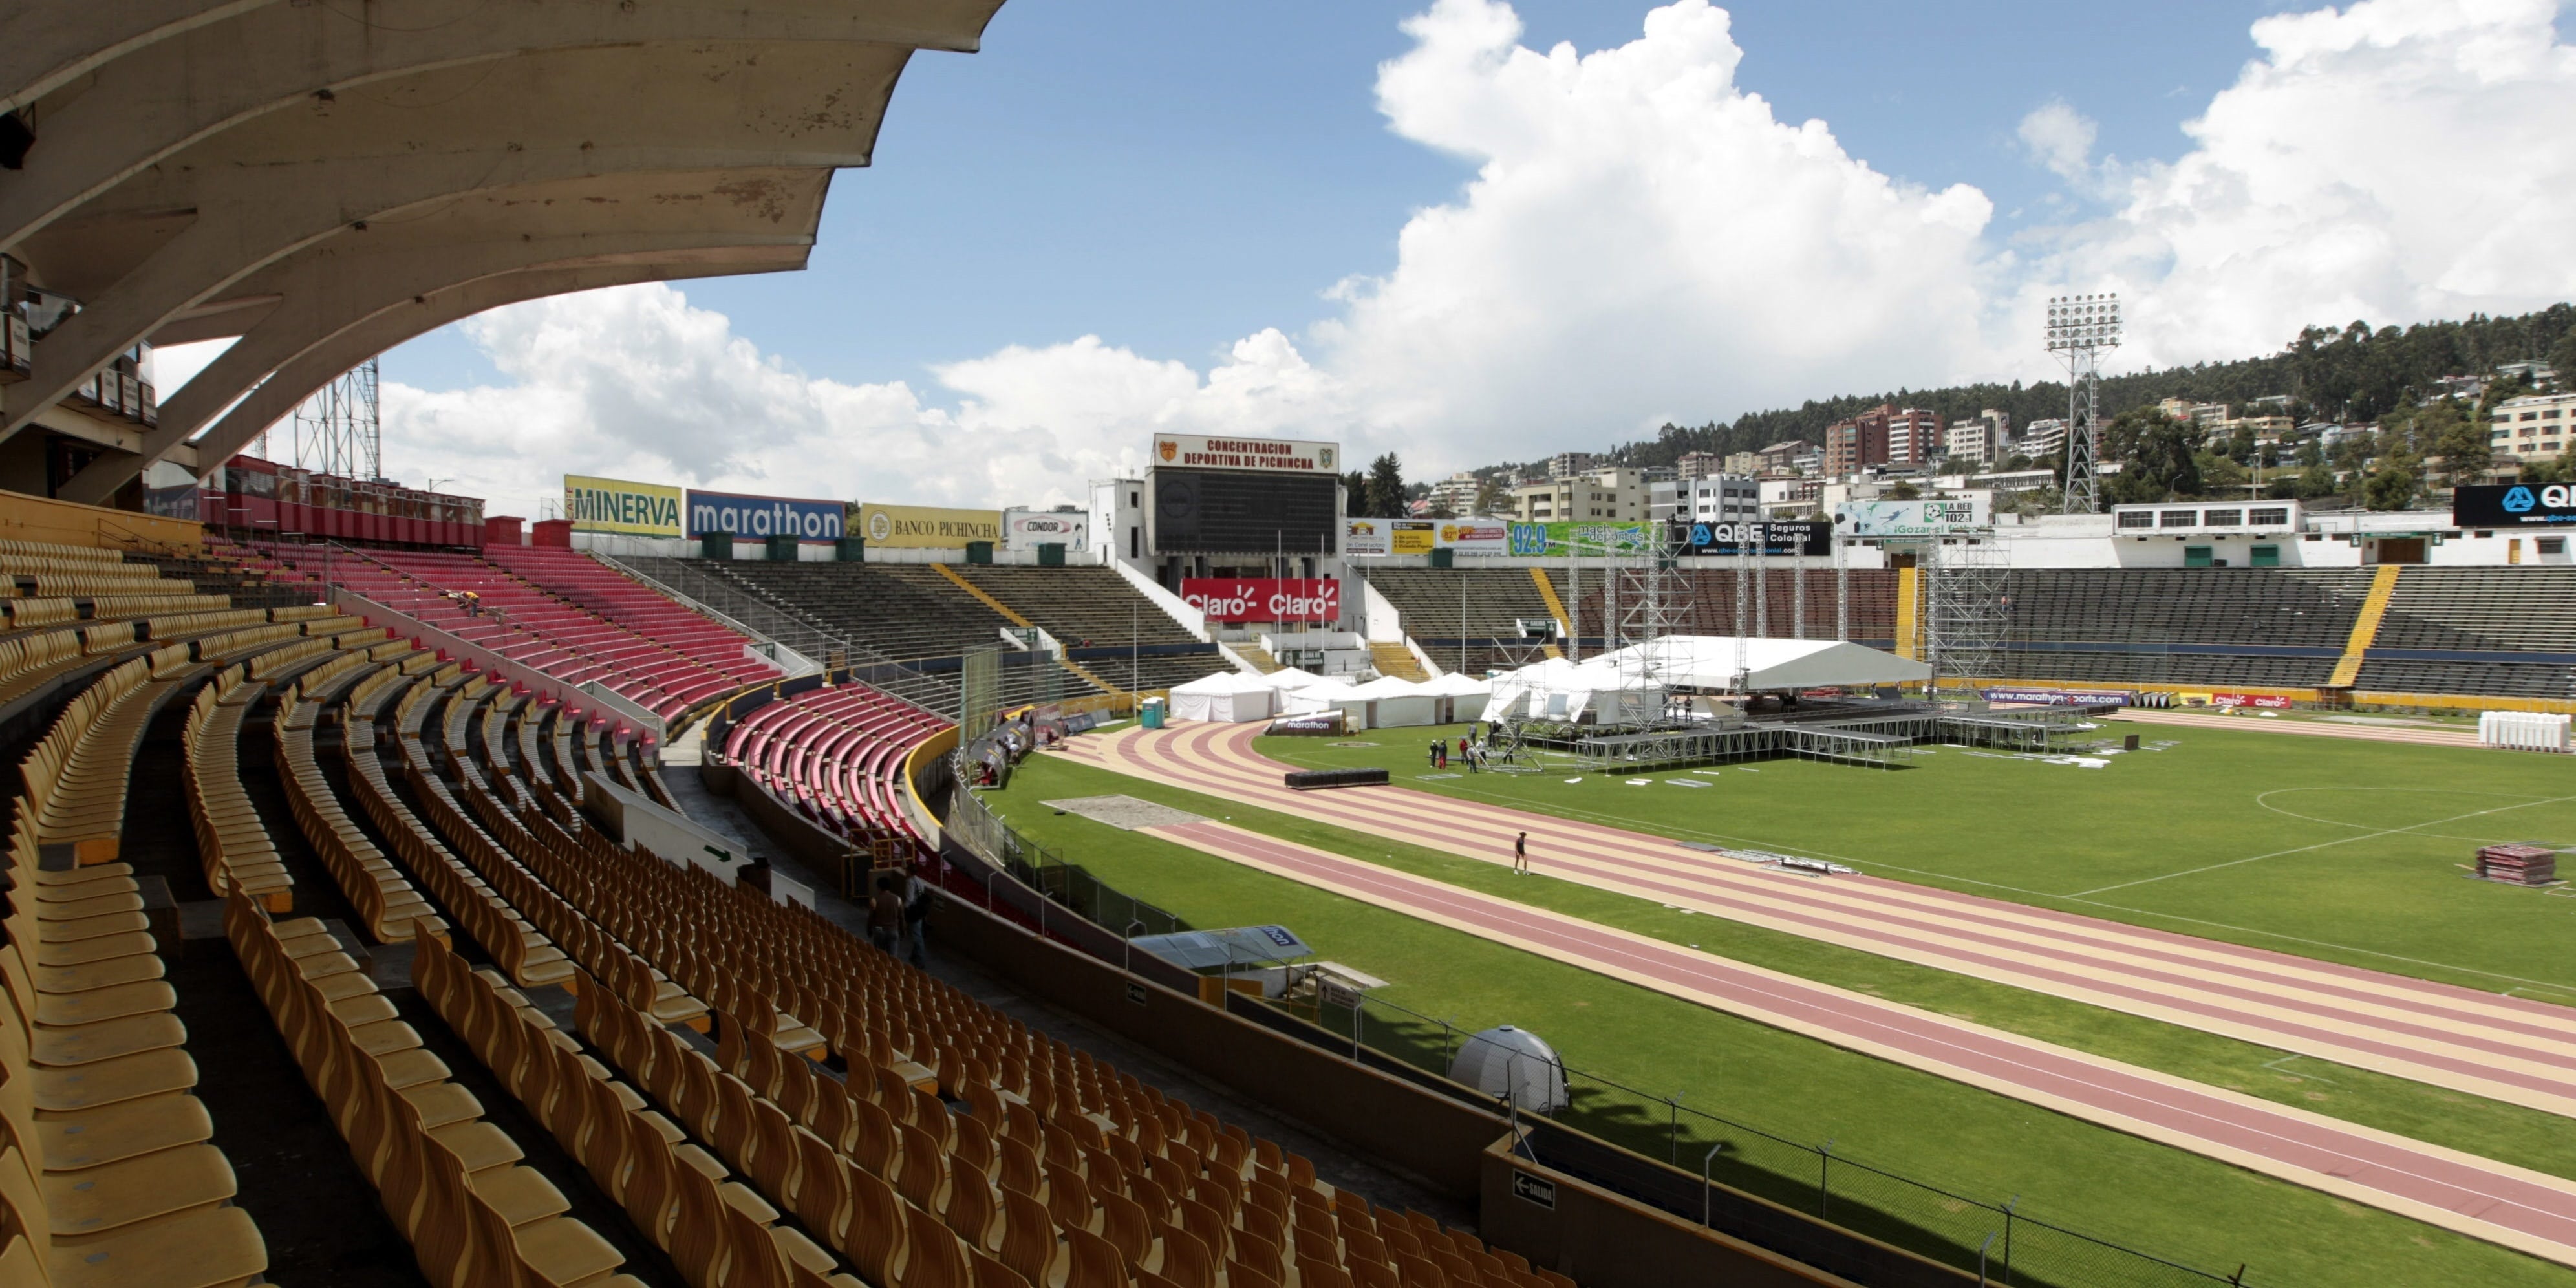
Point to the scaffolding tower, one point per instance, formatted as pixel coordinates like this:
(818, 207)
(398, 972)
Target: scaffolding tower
(1965, 610)
(339, 430)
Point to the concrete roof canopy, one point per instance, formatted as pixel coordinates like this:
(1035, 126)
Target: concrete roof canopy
(324, 182)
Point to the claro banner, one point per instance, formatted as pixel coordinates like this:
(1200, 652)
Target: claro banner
(759, 517)
(1264, 599)
(616, 505)
(2521, 505)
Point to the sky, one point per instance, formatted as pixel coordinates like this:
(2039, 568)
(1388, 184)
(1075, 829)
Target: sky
(1469, 231)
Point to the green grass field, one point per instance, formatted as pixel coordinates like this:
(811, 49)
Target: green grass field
(2334, 848)
(1923, 1126)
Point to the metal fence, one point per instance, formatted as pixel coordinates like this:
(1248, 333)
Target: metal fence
(1941, 1222)
(1063, 883)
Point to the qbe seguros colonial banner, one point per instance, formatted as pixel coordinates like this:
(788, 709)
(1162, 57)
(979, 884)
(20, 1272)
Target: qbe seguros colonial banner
(620, 506)
(1264, 599)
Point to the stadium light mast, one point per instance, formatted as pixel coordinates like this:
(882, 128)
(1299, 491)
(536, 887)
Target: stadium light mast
(2080, 328)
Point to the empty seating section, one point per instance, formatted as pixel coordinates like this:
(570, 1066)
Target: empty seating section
(2480, 617)
(835, 755)
(1102, 622)
(667, 662)
(1481, 606)
(2252, 627)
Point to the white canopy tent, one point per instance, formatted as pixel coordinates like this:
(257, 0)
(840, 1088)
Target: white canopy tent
(1227, 697)
(1556, 689)
(1392, 703)
(1288, 679)
(1463, 697)
(1326, 694)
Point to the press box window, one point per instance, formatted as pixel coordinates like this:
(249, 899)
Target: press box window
(2270, 516)
(2551, 545)
(2222, 518)
(2137, 519)
(2178, 518)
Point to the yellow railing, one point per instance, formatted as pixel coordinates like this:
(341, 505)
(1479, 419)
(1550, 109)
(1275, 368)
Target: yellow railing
(2365, 627)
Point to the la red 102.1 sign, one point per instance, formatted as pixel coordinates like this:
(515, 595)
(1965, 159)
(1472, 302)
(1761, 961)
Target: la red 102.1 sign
(1264, 599)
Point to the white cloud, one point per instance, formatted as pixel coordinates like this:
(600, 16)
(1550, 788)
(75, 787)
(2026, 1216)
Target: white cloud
(1642, 239)
(633, 382)
(2060, 138)
(2396, 160)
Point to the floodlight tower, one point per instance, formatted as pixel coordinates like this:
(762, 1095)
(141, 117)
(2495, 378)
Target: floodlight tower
(339, 430)
(2080, 328)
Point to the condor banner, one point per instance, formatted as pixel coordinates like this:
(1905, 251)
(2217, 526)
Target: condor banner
(616, 505)
(2521, 505)
(759, 517)
(1029, 529)
(1763, 537)
(924, 527)
(1264, 599)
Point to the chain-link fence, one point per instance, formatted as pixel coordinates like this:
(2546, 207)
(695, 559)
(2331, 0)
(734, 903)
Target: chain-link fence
(1067, 885)
(1943, 1223)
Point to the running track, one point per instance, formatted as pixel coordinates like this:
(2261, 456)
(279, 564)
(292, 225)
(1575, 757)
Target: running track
(2510, 1049)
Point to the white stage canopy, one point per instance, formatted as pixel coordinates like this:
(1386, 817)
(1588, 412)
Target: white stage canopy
(1769, 665)
(1227, 697)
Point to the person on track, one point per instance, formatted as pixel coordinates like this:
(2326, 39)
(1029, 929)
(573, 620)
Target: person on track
(1520, 855)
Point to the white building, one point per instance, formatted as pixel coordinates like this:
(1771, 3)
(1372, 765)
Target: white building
(1118, 519)
(1616, 495)
(2534, 426)
(1723, 498)
(1456, 493)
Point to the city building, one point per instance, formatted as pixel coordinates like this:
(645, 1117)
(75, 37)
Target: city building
(1566, 465)
(1723, 498)
(1978, 438)
(1882, 435)
(1791, 498)
(1788, 456)
(2533, 426)
(1700, 465)
(1615, 495)
(1456, 494)
(1743, 462)
(2041, 440)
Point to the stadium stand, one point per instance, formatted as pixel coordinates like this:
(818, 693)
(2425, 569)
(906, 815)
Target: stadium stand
(834, 755)
(2501, 632)
(2252, 627)
(1467, 619)
(683, 662)
(1103, 623)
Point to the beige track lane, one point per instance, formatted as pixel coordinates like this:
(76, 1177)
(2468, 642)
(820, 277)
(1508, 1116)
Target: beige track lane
(2518, 1208)
(2504, 1048)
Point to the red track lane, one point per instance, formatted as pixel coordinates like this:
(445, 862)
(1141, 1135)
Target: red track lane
(2508, 1205)
(2473, 1041)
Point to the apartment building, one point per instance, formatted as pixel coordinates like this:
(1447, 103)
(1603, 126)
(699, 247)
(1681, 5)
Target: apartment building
(2533, 426)
(1883, 435)
(1616, 495)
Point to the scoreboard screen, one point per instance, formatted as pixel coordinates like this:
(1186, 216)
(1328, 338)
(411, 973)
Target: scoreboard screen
(1229, 512)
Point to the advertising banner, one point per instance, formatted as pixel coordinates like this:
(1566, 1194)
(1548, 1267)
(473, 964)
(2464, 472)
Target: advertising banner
(2520, 505)
(923, 527)
(1413, 536)
(1901, 520)
(616, 505)
(1267, 455)
(1367, 537)
(1764, 537)
(1529, 540)
(1473, 536)
(2061, 697)
(1264, 599)
(2258, 701)
(1029, 529)
(761, 517)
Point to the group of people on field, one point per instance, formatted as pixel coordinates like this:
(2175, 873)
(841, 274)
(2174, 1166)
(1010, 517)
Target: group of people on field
(1471, 753)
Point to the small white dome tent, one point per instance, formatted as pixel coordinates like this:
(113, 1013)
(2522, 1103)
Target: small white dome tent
(1226, 697)
(1506, 1060)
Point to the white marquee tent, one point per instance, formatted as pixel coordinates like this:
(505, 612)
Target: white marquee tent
(1227, 697)
(1463, 695)
(1556, 689)
(1392, 703)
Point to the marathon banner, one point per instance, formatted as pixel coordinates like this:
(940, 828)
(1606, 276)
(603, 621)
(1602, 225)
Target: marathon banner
(1762, 537)
(760, 517)
(623, 507)
(2062, 697)
(1264, 599)
(2520, 505)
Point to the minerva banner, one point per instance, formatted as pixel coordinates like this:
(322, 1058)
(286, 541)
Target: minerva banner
(1264, 599)
(623, 507)
(757, 517)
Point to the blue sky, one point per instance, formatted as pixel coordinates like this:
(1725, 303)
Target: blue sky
(1424, 227)
(1171, 176)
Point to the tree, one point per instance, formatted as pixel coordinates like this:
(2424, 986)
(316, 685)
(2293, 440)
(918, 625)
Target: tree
(2160, 463)
(1904, 492)
(2562, 359)
(1355, 495)
(1386, 487)
(2447, 432)
(1491, 496)
(2395, 482)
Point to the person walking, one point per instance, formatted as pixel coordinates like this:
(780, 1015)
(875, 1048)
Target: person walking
(885, 916)
(1520, 855)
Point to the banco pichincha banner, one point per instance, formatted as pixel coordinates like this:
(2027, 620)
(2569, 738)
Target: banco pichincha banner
(926, 527)
(622, 506)
(758, 518)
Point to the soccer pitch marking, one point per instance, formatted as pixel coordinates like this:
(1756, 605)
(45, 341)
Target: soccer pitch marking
(2325, 845)
(1629, 821)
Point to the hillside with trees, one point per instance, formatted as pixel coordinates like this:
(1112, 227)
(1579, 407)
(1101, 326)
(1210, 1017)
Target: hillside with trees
(2351, 374)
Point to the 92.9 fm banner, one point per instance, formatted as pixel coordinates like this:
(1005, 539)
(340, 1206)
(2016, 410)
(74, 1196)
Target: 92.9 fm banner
(1264, 599)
